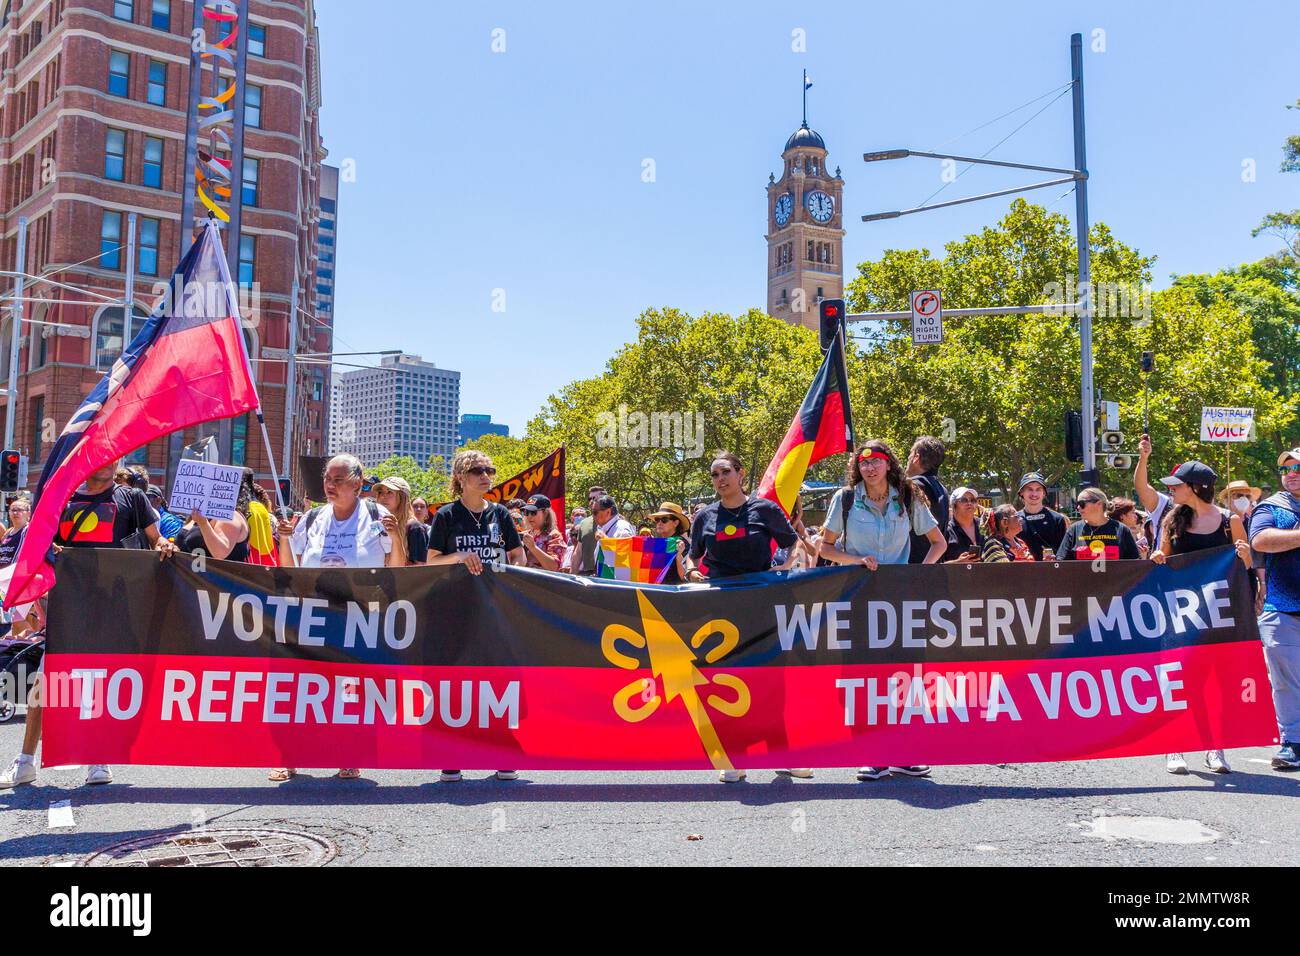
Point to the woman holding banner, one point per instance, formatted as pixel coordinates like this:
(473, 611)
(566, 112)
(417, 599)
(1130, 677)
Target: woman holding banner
(472, 530)
(346, 532)
(735, 534)
(409, 536)
(1194, 523)
(873, 518)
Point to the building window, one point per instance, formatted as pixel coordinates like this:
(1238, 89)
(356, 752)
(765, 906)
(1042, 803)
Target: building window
(40, 347)
(110, 337)
(119, 73)
(147, 260)
(115, 155)
(239, 441)
(124, 9)
(256, 39)
(110, 241)
(160, 17)
(253, 106)
(153, 160)
(38, 427)
(157, 83)
(247, 259)
(328, 205)
(250, 182)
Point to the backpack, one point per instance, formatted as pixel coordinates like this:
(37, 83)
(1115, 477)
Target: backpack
(310, 516)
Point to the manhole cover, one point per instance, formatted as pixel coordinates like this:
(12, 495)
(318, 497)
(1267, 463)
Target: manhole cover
(1150, 829)
(218, 848)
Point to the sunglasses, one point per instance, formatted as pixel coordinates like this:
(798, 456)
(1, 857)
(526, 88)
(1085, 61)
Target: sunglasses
(1285, 470)
(665, 520)
(1089, 501)
(481, 470)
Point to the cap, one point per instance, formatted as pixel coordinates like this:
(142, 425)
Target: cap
(1190, 473)
(154, 490)
(958, 492)
(537, 503)
(1294, 453)
(394, 482)
(371, 480)
(1029, 479)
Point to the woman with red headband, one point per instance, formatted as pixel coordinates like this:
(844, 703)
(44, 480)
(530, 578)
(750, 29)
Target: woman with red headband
(870, 523)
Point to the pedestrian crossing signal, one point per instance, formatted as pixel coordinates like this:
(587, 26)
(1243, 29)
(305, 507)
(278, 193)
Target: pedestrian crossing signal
(11, 466)
(832, 320)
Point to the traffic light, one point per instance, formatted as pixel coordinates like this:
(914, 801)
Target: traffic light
(1073, 436)
(11, 466)
(832, 320)
(286, 491)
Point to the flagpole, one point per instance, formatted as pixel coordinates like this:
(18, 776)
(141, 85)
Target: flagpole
(233, 309)
(805, 97)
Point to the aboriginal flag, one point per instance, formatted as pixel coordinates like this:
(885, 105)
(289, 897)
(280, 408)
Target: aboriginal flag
(185, 366)
(823, 427)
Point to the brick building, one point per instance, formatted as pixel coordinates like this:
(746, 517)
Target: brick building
(92, 129)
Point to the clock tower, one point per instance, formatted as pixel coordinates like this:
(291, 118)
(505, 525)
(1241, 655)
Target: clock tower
(805, 234)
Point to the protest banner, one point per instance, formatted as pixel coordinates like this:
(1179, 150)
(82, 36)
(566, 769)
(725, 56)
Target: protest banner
(209, 488)
(1227, 424)
(226, 664)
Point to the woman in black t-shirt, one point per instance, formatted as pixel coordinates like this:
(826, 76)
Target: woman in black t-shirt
(1096, 536)
(735, 534)
(472, 529)
(1194, 523)
(20, 512)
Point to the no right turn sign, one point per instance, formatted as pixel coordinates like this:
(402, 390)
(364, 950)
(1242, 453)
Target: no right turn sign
(927, 317)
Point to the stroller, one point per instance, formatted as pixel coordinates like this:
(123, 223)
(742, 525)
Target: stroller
(19, 657)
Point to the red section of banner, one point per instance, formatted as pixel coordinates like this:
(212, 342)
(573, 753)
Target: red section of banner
(576, 718)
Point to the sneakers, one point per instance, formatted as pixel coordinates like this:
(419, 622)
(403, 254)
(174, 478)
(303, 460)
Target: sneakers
(449, 776)
(872, 773)
(1216, 762)
(20, 772)
(918, 770)
(507, 774)
(731, 776)
(802, 773)
(1287, 757)
(98, 773)
(1175, 763)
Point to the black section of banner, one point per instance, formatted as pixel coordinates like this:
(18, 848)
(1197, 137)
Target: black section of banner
(124, 602)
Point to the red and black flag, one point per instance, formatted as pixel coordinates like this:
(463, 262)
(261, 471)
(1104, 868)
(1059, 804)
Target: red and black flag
(823, 427)
(184, 367)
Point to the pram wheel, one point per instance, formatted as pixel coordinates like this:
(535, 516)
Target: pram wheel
(7, 710)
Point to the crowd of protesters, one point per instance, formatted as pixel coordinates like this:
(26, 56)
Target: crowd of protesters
(890, 511)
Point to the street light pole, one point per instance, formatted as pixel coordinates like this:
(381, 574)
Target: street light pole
(1085, 262)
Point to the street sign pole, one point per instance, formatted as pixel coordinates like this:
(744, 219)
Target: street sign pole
(1085, 264)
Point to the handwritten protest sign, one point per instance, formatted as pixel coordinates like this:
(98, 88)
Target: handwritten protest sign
(207, 487)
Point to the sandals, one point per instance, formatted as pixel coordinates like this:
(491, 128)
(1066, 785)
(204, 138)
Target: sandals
(280, 774)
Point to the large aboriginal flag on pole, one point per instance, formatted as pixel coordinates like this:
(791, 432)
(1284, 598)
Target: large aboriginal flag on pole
(823, 427)
(186, 366)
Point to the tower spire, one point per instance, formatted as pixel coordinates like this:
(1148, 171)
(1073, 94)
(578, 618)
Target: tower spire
(806, 84)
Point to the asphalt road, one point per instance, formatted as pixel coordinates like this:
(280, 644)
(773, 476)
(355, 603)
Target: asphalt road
(1107, 812)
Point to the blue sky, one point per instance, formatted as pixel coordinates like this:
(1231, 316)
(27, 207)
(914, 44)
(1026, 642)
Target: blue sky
(521, 170)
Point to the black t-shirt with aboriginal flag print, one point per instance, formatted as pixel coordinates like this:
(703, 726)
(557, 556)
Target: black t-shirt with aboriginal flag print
(115, 513)
(1084, 542)
(739, 541)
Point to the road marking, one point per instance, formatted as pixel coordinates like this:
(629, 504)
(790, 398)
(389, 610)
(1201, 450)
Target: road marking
(61, 814)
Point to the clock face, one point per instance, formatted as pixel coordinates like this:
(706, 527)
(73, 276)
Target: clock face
(784, 206)
(820, 206)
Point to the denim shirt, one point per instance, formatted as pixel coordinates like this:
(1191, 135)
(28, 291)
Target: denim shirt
(883, 534)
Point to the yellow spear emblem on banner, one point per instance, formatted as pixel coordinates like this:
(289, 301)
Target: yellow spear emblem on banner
(674, 663)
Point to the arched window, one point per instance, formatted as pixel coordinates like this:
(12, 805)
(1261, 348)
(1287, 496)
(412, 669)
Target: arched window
(110, 337)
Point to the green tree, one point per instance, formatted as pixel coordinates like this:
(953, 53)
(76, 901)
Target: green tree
(429, 483)
(1000, 385)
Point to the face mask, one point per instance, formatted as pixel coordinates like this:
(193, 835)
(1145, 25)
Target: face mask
(1240, 505)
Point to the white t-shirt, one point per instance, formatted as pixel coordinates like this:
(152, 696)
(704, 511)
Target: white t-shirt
(357, 542)
(1158, 515)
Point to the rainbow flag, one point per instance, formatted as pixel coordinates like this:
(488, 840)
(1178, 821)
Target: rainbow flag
(643, 560)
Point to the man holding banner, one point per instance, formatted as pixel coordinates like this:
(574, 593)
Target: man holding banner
(1275, 532)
